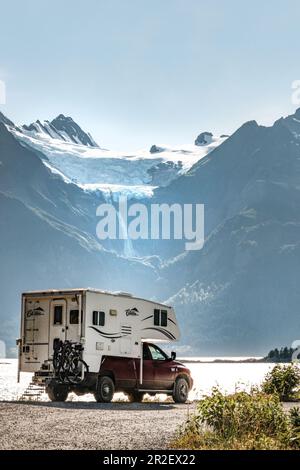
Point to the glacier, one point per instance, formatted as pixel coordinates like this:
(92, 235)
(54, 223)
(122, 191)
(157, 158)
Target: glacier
(93, 168)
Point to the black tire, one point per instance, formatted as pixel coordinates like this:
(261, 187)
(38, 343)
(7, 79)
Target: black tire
(105, 390)
(181, 390)
(57, 392)
(135, 397)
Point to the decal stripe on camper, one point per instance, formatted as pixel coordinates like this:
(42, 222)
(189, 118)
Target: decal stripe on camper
(165, 332)
(109, 335)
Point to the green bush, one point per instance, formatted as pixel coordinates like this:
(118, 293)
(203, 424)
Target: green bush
(241, 420)
(284, 381)
(294, 416)
(242, 413)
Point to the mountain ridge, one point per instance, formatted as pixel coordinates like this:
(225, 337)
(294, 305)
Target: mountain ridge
(238, 295)
(63, 128)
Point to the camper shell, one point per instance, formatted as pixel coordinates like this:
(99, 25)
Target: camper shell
(115, 331)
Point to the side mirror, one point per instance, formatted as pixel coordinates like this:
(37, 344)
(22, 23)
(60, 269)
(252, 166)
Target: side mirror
(173, 355)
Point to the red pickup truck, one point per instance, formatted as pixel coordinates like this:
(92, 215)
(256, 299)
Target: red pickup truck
(160, 374)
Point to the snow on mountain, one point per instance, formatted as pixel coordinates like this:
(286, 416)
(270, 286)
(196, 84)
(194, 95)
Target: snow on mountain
(62, 128)
(7, 122)
(94, 168)
(113, 191)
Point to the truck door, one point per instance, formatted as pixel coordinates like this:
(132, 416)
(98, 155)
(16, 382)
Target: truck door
(58, 310)
(148, 369)
(164, 370)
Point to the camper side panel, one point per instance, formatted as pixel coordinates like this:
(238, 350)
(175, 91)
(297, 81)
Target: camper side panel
(116, 325)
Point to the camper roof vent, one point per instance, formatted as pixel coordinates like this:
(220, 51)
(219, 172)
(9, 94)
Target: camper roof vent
(125, 294)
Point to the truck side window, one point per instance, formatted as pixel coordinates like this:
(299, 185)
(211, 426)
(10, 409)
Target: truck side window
(156, 353)
(58, 315)
(146, 353)
(156, 317)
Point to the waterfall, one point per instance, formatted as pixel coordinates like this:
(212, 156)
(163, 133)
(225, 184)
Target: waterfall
(128, 250)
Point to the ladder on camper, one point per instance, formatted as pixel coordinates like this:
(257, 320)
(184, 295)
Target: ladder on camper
(33, 392)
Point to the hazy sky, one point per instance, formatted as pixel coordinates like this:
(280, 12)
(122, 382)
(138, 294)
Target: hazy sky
(139, 72)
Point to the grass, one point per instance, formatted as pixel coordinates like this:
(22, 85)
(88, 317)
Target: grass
(240, 421)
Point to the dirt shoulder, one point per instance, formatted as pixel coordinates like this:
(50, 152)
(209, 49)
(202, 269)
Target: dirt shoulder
(89, 425)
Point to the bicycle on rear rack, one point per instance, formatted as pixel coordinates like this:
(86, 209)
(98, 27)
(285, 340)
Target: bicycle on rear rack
(68, 365)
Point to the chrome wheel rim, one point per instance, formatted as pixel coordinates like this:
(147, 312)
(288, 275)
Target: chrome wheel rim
(105, 390)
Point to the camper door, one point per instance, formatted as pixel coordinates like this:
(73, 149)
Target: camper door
(58, 314)
(73, 320)
(64, 321)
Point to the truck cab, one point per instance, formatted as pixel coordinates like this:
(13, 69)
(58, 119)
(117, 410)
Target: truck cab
(160, 374)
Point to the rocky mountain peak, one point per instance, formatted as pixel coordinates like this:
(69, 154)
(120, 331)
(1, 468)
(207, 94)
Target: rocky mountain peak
(67, 126)
(204, 138)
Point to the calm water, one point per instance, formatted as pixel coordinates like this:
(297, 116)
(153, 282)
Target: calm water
(227, 376)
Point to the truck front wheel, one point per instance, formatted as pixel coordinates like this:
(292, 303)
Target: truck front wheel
(181, 390)
(57, 392)
(105, 390)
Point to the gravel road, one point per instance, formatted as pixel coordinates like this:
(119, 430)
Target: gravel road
(88, 425)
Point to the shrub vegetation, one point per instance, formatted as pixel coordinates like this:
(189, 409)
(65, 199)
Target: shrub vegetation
(283, 381)
(240, 421)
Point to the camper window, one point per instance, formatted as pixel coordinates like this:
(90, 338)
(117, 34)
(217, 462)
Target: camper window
(164, 318)
(101, 318)
(156, 317)
(58, 314)
(74, 317)
(160, 317)
(98, 318)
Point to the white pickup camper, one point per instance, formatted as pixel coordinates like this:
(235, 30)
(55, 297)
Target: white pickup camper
(87, 340)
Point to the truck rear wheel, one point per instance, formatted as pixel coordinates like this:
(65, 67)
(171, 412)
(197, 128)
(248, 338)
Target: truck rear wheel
(105, 390)
(181, 390)
(135, 397)
(57, 392)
